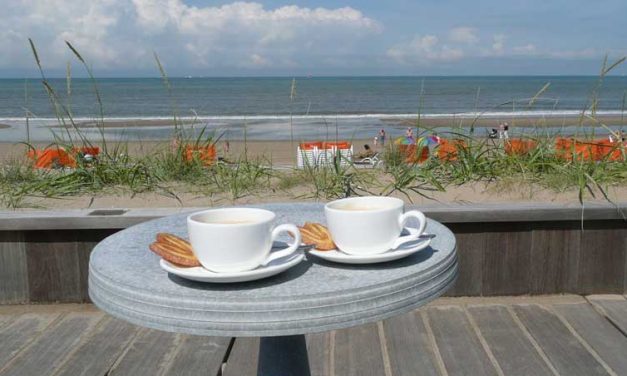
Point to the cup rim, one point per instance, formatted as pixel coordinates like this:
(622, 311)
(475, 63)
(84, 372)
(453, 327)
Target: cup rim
(192, 218)
(399, 204)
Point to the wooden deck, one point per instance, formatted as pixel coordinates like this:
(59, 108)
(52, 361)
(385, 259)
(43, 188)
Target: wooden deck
(554, 335)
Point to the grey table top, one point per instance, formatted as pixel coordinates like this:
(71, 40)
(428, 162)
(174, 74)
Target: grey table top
(126, 281)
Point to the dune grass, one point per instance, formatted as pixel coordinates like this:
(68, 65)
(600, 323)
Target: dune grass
(169, 172)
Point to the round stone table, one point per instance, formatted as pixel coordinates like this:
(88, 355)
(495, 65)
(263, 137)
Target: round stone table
(126, 281)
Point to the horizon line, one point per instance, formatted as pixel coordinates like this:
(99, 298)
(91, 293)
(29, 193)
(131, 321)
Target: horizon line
(307, 76)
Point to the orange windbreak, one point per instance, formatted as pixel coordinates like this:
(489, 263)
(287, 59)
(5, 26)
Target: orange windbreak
(310, 145)
(587, 151)
(206, 154)
(449, 150)
(49, 158)
(519, 147)
(91, 150)
(611, 151)
(413, 153)
(339, 145)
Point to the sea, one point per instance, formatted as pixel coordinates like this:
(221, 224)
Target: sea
(275, 108)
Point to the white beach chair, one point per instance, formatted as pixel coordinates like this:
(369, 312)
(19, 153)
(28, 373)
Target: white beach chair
(329, 152)
(307, 154)
(347, 155)
(373, 161)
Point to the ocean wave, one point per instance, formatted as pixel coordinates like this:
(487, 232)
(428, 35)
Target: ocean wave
(460, 115)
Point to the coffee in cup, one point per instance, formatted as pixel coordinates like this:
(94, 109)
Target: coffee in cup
(370, 225)
(237, 239)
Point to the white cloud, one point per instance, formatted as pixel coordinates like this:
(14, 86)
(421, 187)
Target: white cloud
(123, 33)
(258, 60)
(463, 42)
(424, 50)
(498, 44)
(464, 35)
(527, 49)
(120, 35)
(50, 23)
(574, 54)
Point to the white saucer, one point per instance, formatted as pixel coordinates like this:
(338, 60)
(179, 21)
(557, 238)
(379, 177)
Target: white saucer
(403, 250)
(200, 274)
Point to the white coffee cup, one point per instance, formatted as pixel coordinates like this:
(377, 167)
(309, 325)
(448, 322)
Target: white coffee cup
(237, 239)
(370, 225)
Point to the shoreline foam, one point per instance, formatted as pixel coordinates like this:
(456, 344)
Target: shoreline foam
(312, 127)
(435, 120)
(346, 116)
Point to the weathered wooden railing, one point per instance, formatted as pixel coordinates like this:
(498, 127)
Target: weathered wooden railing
(503, 249)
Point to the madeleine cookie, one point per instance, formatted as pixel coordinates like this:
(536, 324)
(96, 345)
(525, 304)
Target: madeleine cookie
(317, 235)
(175, 250)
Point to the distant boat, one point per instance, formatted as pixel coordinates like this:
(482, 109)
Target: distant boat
(188, 76)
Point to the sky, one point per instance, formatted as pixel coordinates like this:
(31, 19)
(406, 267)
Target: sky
(119, 38)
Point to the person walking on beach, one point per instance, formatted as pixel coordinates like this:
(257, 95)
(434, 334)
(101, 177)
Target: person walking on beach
(409, 134)
(382, 137)
(433, 142)
(503, 131)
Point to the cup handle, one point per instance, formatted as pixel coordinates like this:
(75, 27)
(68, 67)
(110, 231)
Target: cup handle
(287, 251)
(422, 223)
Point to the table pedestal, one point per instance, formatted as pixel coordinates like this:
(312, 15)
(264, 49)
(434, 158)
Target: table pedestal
(283, 356)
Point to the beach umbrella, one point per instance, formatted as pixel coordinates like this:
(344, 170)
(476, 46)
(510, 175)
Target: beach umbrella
(433, 140)
(422, 141)
(403, 141)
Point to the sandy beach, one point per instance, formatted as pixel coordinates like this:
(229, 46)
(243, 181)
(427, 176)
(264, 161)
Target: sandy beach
(278, 152)
(283, 151)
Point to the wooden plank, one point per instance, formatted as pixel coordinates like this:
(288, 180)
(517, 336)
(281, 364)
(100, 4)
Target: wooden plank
(319, 351)
(13, 270)
(243, 358)
(53, 268)
(98, 352)
(554, 266)
(199, 355)
(615, 310)
(5, 319)
(563, 349)
(609, 343)
(458, 344)
(409, 348)
(511, 348)
(20, 332)
(148, 354)
(507, 259)
(86, 241)
(49, 350)
(524, 212)
(602, 259)
(471, 244)
(358, 351)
